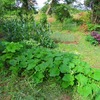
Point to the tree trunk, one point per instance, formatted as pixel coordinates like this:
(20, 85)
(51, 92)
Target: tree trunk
(53, 2)
(48, 10)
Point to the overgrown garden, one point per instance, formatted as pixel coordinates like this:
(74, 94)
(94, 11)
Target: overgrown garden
(47, 49)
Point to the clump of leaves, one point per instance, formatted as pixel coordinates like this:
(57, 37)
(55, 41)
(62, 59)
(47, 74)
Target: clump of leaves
(2, 47)
(26, 28)
(91, 39)
(93, 27)
(94, 38)
(42, 33)
(40, 63)
(16, 30)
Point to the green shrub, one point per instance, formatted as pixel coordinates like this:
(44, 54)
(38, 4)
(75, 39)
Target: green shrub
(42, 33)
(2, 47)
(93, 27)
(16, 30)
(92, 40)
(40, 63)
(25, 28)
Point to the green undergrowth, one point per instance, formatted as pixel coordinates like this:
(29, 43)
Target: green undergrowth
(25, 27)
(92, 40)
(39, 64)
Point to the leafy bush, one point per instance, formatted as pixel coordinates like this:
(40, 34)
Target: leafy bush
(83, 16)
(91, 39)
(61, 12)
(25, 28)
(93, 27)
(43, 32)
(94, 38)
(16, 30)
(40, 63)
(2, 47)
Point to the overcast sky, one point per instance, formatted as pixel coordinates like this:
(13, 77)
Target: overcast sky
(41, 2)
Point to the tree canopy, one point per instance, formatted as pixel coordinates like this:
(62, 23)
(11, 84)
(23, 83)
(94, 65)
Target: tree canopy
(95, 7)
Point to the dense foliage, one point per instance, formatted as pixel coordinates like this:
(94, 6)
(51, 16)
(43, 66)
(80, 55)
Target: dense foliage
(25, 27)
(23, 53)
(93, 27)
(94, 38)
(95, 6)
(42, 33)
(25, 59)
(61, 12)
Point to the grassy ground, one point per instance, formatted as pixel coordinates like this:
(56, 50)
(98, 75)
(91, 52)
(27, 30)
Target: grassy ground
(75, 42)
(90, 53)
(23, 89)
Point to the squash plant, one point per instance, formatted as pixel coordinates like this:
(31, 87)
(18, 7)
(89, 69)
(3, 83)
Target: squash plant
(40, 63)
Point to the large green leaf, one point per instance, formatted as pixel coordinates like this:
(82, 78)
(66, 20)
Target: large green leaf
(97, 97)
(6, 56)
(12, 47)
(54, 71)
(68, 78)
(31, 66)
(76, 61)
(66, 61)
(85, 91)
(13, 62)
(96, 75)
(50, 63)
(78, 69)
(41, 67)
(82, 80)
(64, 68)
(95, 87)
(23, 64)
(71, 65)
(38, 77)
(87, 71)
(58, 61)
(66, 84)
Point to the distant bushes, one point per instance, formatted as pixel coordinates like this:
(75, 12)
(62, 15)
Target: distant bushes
(70, 24)
(83, 16)
(61, 12)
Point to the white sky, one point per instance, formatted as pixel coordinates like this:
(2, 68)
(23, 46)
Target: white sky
(41, 2)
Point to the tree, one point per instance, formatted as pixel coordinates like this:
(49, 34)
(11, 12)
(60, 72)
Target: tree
(95, 7)
(55, 2)
(26, 3)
